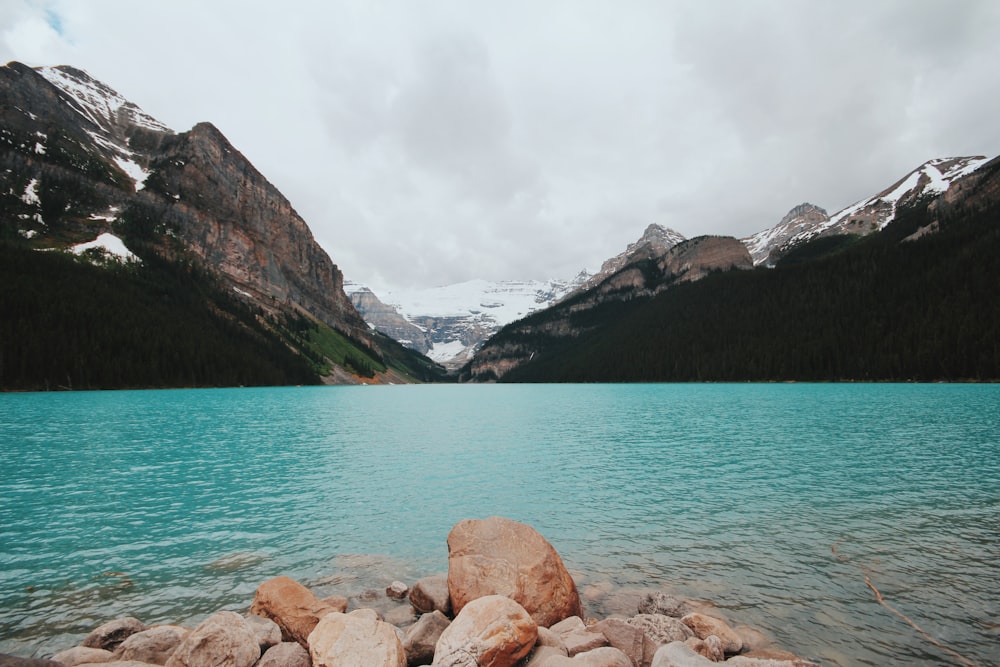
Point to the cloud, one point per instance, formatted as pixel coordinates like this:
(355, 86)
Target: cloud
(427, 143)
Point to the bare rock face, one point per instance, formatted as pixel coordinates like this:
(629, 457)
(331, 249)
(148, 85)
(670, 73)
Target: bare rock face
(695, 259)
(498, 556)
(154, 645)
(490, 631)
(704, 626)
(358, 638)
(222, 640)
(292, 606)
(113, 633)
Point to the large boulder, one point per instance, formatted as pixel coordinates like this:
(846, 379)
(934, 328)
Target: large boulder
(358, 638)
(113, 633)
(703, 626)
(154, 645)
(292, 606)
(224, 639)
(431, 594)
(498, 556)
(421, 638)
(490, 631)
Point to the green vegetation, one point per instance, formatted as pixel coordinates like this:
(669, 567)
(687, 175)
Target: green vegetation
(871, 309)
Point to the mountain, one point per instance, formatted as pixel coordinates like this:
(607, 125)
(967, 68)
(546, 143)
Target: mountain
(449, 323)
(644, 274)
(654, 242)
(899, 287)
(805, 222)
(79, 165)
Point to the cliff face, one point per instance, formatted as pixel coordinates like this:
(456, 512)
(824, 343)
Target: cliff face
(644, 276)
(78, 159)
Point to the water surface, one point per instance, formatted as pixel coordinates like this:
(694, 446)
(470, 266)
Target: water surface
(773, 501)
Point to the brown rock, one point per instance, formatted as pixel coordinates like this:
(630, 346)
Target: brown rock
(574, 635)
(154, 646)
(498, 556)
(397, 590)
(604, 656)
(421, 638)
(285, 654)
(625, 637)
(267, 631)
(659, 602)
(541, 655)
(358, 638)
(430, 594)
(679, 654)
(772, 658)
(15, 661)
(709, 647)
(79, 655)
(490, 631)
(113, 633)
(703, 626)
(292, 606)
(548, 638)
(224, 639)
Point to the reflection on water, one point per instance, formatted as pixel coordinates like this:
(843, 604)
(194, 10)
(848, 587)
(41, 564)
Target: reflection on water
(170, 505)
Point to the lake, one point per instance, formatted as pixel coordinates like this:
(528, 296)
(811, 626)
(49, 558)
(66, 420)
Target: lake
(774, 501)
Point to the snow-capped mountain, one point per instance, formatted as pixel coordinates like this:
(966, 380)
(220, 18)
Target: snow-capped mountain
(864, 217)
(449, 323)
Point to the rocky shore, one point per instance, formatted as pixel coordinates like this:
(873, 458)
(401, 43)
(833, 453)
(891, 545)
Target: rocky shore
(507, 600)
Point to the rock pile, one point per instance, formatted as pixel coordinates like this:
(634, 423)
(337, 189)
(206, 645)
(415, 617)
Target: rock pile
(507, 601)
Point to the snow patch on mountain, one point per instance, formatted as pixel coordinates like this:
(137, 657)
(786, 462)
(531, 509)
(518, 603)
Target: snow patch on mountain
(109, 244)
(98, 102)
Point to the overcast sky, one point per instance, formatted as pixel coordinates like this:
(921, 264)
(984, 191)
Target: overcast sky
(427, 142)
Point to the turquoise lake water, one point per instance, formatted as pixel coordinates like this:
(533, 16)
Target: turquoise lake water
(772, 501)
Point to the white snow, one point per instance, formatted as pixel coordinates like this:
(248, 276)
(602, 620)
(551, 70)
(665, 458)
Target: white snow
(30, 196)
(110, 244)
(446, 351)
(99, 103)
(134, 171)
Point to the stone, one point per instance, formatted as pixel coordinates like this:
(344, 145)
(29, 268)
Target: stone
(548, 638)
(709, 647)
(267, 631)
(431, 594)
(285, 654)
(678, 654)
(498, 556)
(420, 638)
(658, 602)
(79, 655)
(625, 637)
(703, 626)
(783, 659)
(14, 661)
(113, 633)
(224, 639)
(574, 635)
(338, 602)
(292, 606)
(400, 616)
(397, 590)
(358, 638)
(541, 655)
(661, 629)
(154, 646)
(753, 639)
(489, 631)
(604, 656)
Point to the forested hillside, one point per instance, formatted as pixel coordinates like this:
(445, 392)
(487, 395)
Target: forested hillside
(877, 308)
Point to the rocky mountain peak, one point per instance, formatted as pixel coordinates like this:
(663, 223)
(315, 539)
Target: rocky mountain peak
(655, 241)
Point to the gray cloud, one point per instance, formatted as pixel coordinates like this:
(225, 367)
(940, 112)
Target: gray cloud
(428, 143)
